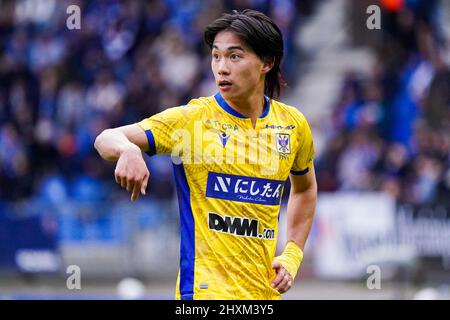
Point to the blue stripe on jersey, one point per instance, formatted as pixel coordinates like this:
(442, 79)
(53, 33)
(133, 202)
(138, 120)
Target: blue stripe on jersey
(187, 233)
(281, 199)
(301, 172)
(151, 143)
(221, 101)
(266, 107)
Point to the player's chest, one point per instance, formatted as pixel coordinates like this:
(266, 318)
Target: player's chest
(265, 150)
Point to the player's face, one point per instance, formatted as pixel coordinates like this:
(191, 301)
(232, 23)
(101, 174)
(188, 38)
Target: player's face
(238, 71)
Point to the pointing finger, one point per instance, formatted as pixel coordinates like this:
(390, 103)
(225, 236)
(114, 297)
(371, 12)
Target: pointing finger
(144, 184)
(135, 193)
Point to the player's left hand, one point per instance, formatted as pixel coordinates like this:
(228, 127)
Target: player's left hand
(283, 280)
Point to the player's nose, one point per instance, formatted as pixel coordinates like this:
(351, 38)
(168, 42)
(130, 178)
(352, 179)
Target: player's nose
(223, 68)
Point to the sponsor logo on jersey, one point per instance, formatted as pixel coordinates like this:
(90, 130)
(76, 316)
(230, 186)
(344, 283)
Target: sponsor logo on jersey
(238, 226)
(221, 126)
(278, 127)
(244, 189)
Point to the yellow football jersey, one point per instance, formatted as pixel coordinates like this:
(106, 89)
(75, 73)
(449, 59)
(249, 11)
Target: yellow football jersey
(230, 178)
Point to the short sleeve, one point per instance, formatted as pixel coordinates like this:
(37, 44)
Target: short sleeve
(162, 128)
(304, 156)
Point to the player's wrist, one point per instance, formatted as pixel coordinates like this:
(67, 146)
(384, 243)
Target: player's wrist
(291, 258)
(128, 148)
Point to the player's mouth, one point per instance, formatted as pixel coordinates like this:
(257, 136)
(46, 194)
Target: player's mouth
(225, 85)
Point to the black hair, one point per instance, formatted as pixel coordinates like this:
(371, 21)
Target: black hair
(261, 34)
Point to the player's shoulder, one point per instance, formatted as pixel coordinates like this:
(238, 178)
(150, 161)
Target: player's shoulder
(290, 111)
(201, 102)
(198, 106)
(193, 109)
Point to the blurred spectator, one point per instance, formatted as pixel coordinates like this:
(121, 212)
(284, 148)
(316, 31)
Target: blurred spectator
(391, 129)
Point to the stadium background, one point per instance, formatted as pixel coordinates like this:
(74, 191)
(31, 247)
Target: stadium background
(378, 102)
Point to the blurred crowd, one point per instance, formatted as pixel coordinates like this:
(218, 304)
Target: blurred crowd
(60, 88)
(390, 130)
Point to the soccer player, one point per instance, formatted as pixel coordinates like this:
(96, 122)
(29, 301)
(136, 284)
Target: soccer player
(232, 153)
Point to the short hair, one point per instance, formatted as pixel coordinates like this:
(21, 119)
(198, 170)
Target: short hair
(261, 34)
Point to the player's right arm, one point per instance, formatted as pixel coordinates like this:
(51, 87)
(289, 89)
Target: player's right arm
(125, 145)
(153, 135)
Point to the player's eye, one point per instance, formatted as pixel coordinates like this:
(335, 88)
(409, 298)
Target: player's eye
(234, 57)
(215, 56)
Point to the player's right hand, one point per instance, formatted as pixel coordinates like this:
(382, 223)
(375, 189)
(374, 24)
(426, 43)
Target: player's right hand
(131, 171)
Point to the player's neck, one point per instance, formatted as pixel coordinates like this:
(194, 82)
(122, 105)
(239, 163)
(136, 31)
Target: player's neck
(251, 106)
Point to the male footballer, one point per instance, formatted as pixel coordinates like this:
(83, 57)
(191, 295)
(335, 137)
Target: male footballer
(232, 154)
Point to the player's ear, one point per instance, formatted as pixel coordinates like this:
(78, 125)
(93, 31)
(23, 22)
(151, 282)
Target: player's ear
(268, 64)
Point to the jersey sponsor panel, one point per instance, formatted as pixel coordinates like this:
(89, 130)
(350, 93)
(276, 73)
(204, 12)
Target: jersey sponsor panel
(239, 226)
(244, 189)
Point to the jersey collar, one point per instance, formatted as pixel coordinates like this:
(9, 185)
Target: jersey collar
(225, 106)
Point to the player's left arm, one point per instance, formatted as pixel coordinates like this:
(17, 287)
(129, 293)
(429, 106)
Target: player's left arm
(301, 206)
(300, 214)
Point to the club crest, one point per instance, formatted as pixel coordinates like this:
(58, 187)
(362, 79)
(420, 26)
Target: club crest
(283, 143)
